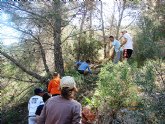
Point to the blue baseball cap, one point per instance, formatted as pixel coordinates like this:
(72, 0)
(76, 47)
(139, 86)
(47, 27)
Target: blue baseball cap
(38, 90)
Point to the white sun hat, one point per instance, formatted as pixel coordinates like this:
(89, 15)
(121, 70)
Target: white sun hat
(68, 81)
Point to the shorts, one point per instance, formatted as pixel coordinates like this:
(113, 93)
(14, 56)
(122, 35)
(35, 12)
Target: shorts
(55, 94)
(127, 53)
(81, 71)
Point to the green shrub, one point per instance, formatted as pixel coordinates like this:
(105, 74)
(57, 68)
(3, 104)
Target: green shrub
(124, 88)
(116, 87)
(88, 48)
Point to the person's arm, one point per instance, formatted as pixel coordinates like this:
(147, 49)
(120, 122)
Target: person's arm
(49, 86)
(111, 47)
(124, 41)
(29, 105)
(89, 70)
(42, 118)
(37, 117)
(38, 111)
(77, 114)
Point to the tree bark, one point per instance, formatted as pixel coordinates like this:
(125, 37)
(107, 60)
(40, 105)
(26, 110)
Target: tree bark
(121, 12)
(80, 35)
(90, 24)
(44, 58)
(58, 59)
(103, 32)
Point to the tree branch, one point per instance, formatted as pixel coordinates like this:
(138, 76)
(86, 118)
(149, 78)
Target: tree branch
(43, 57)
(31, 73)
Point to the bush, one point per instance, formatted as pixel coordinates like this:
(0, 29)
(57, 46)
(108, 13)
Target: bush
(149, 40)
(88, 48)
(116, 87)
(127, 94)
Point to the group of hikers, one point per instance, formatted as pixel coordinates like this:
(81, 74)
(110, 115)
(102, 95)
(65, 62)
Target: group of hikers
(125, 46)
(57, 106)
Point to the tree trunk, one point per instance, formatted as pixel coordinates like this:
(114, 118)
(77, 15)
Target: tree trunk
(102, 21)
(108, 52)
(58, 60)
(121, 12)
(90, 24)
(44, 58)
(80, 35)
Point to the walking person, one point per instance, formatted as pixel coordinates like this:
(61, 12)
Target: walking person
(62, 109)
(128, 45)
(34, 102)
(45, 97)
(118, 50)
(54, 85)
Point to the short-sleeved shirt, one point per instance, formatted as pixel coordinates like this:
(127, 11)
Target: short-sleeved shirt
(39, 109)
(34, 102)
(78, 63)
(129, 43)
(84, 66)
(54, 86)
(116, 45)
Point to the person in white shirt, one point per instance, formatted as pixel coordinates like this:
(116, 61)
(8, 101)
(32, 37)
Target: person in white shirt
(128, 45)
(34, 102)
(116, 44)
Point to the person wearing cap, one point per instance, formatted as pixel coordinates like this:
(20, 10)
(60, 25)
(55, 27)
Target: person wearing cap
(45, 97)
(34, 102)
(84, 68)
(54, 85)
(128, 45)
(62, 109)
(116, 44)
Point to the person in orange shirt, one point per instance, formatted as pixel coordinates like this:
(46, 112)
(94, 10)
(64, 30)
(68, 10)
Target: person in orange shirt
(54, 85)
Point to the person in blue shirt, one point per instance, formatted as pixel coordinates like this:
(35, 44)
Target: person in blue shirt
(84, 68)
(116, 44)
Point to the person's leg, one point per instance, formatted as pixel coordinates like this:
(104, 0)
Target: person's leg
(129, 53)
(81, 71)
(55, 94)
(86, 73)
(32, 120)
(121, 56)
(117, 57)
(125, 55)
